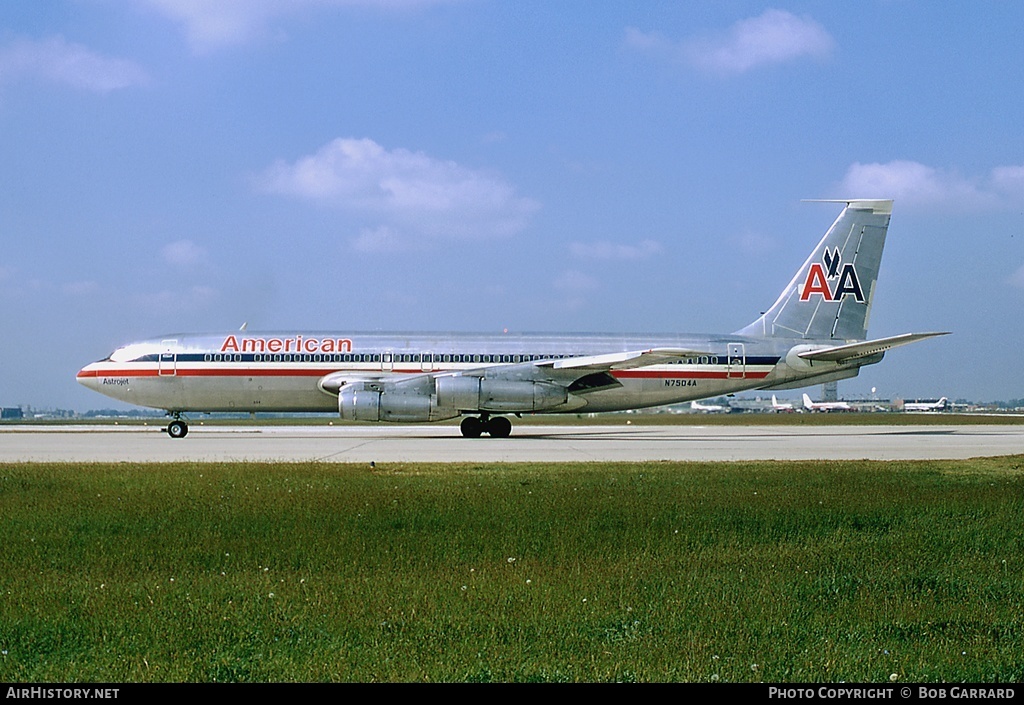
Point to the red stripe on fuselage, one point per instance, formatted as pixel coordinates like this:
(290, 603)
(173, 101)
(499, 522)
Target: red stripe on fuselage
(320, 372)
(209, 372)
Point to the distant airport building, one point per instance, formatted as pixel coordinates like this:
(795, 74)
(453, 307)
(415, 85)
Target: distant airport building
(830, 391)
(9, 412)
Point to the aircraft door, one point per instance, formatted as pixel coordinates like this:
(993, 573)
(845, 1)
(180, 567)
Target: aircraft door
(387, 361)
(737, 366)
(167, 362)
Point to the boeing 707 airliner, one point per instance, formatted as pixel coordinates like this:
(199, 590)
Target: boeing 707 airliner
(815, 332)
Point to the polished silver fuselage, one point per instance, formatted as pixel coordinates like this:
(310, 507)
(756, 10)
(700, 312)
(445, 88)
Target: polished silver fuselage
(281, 372)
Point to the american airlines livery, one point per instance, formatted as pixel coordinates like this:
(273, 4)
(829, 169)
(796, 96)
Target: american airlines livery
(815, 332)
(937, 405)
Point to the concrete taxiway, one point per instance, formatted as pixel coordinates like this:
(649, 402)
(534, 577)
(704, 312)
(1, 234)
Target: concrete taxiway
(529, 443)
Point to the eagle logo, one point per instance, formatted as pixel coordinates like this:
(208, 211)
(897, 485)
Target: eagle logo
(832, 279)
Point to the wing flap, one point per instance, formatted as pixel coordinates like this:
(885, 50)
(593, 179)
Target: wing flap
(621, 360)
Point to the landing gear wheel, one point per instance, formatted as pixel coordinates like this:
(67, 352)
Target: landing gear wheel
(471, 427)
(499, 427)
(177, 429)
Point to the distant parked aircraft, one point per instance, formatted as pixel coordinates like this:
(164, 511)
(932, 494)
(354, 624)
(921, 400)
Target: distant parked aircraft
(939, 405)
(825, 405)
(781, 406)
(708, 408)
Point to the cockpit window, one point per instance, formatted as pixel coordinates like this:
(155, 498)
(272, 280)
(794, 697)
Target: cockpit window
(132, 352)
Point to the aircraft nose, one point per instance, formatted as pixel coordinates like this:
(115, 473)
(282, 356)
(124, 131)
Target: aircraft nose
(87, 376)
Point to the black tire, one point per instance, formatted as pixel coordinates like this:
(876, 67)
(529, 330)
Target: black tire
(177, 429)
(499, 427)
(471, 427)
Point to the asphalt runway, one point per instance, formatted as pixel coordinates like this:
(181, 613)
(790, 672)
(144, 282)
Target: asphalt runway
(528, 443)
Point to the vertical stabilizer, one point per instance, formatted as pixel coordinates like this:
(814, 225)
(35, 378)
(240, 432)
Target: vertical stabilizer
(830, 296)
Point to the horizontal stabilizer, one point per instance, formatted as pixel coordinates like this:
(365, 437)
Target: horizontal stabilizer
(853, 351)
(875, 205)
(622, 360)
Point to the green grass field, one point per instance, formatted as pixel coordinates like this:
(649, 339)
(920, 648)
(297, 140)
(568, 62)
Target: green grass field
(739, 572)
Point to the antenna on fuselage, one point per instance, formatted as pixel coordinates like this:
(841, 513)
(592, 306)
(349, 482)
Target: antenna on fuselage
(244, 325)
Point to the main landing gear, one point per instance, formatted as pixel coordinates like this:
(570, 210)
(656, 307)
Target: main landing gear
(177, 428)
(495, 427)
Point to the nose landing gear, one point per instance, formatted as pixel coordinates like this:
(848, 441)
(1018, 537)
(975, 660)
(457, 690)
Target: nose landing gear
(177, 428)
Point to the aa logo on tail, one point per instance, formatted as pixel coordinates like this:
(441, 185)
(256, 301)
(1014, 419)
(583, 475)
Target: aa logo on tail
(832, 279)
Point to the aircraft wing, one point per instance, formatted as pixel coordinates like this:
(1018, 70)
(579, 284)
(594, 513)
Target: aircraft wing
(852, 351)
(557, 371)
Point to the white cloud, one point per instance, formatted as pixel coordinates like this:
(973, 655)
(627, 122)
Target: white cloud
(1009, 180)
(409, 190)
(57, 60)
(575, 281)
(915, 184)
(612, 251)
(574, 286)
(184, 254)
(754, 244)
(1017, 279)
(651, 42)
(494, 137)
(81, 288)
(382, 239)
(223, 22)
(773, 37)
(191, 298)
(210, 24)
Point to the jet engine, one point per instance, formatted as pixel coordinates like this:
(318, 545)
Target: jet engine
(467, 393)
(366, 402)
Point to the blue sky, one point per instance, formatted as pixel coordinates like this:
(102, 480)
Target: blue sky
(473, 165)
